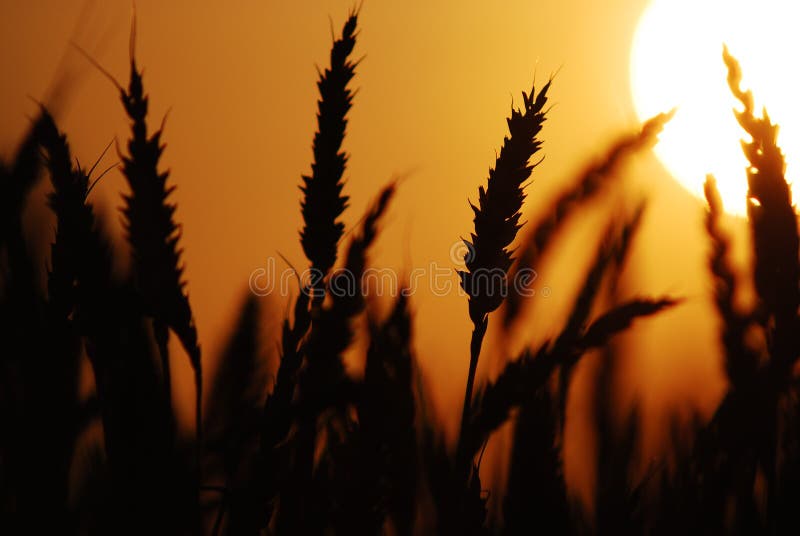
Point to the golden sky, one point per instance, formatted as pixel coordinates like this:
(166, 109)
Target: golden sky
(437, 81)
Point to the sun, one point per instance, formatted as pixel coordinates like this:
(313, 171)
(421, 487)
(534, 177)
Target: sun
(676, 61)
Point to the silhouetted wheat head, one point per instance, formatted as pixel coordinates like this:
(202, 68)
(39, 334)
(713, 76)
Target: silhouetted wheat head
(497, 213)
(590, 183)
(153, 232)
(34, 458)
(773, 222)
(751, 435)
(323, 201)
(332, 331)
(497, 217)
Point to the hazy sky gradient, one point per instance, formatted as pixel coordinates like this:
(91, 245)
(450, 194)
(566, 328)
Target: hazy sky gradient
(435, 86)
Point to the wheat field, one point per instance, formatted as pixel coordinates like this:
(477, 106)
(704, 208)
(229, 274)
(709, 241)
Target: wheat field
(319, 413)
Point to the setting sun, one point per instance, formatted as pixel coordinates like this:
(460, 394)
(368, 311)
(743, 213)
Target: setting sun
(676, 61)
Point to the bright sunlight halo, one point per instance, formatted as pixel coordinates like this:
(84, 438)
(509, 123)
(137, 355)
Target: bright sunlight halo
(676, 61)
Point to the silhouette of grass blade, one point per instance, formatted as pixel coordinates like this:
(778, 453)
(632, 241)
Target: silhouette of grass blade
(332, 333)
(617, 501)
(323, 383)
(530, 372)
(495, 400)
(620, 318)
(251, 504)
(536, 493)
(751, 423)
(386, 418)
(497, 214)
(612, 250)
(773, 222)
(590, 183)
(496, 221)
(323, 201)
(74, 217)
(39, 365)
(154, 234)
(741, 364)
(148, 486)
(460, 505)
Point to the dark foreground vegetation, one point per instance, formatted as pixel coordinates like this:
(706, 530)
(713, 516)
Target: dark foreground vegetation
(314, 450)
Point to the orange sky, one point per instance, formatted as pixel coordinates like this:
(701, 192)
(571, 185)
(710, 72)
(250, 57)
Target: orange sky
(434, 89)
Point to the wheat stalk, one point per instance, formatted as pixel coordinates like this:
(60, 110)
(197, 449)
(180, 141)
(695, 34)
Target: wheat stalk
(75, 220)
(741, 364)
(386, 415)
(332, 332)
(323, 201)
(530, 371)
(497, 220)
(323, 383)
(154, 234)
(589, 183)
(773, 223)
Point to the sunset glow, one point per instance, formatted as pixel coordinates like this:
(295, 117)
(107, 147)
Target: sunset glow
(360, 267)
(676, 61)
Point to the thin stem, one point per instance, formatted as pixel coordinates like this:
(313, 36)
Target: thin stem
(478, 333)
